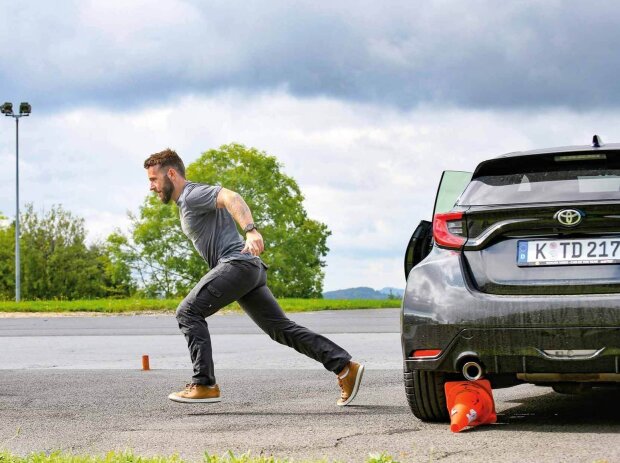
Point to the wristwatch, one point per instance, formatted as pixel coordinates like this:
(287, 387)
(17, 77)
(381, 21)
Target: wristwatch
(249, 227)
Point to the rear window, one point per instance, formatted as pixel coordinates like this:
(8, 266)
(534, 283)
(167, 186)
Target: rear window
(543, 187)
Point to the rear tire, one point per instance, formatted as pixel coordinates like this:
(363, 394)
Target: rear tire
(426, 396)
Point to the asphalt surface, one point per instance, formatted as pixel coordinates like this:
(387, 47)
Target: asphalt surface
(119, 342)
(324, 322)
(286, 411)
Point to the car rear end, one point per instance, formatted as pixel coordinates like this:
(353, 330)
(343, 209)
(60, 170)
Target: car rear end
(523, 281)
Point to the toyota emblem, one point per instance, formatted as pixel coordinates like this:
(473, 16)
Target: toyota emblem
(569, 217)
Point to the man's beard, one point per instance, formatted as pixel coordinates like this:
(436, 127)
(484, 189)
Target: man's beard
(167, 190)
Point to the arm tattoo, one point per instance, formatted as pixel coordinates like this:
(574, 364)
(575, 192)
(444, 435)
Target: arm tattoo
(239, 210)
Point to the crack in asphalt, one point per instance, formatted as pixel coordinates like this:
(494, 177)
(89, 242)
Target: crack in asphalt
(384, 433)
(400, 431)
(340, 439)
(443, 454)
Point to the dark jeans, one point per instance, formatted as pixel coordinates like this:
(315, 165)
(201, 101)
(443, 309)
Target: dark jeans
(245, 282)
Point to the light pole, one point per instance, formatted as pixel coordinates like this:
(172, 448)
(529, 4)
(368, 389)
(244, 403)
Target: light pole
(24, 110)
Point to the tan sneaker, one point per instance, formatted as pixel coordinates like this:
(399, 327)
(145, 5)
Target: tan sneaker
(349, 382)
(197, 393)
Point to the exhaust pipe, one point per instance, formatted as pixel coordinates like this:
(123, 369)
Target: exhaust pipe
(472, 370)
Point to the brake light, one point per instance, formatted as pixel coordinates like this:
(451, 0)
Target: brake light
(425, 353)
(449, 230)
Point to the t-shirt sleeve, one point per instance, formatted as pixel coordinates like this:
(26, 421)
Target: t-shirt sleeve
(203, 198)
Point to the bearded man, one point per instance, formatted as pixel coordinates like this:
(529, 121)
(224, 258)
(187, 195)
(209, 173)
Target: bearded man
(208, 214)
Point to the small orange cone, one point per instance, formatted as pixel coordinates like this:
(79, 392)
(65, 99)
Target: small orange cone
(145, 363)
(470, 403)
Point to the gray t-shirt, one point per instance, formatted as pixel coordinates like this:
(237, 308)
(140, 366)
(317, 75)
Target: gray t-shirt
(213, 231)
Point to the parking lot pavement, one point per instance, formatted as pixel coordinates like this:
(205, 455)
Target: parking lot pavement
(289, 413)
(75, 385)
(118, 342)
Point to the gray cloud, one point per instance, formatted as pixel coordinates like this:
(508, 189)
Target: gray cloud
(481, 54)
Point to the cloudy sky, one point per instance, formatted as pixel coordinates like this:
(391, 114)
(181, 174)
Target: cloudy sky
(364, 103)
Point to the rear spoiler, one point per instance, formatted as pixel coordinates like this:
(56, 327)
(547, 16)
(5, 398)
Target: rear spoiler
(588, 158)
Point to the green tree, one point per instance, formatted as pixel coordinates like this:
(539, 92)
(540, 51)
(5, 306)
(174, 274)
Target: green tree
(158, 254)
(7, 258)
(56, 262)
(295, 245)
(117, 280)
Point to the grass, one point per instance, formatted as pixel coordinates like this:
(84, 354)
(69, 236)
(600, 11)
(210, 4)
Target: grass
(129, 457)
(113, 306)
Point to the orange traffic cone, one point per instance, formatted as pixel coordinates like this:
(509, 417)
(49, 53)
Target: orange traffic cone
(470, 403)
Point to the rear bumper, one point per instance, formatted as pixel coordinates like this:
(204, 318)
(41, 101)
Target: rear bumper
(508, 334)
(530, 351)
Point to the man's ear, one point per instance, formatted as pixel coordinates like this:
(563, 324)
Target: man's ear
(171, 174)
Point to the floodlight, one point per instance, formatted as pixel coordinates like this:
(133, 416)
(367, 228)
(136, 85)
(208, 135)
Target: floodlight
(24, 108)
(7, 109)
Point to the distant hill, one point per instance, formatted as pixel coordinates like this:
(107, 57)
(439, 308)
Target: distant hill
(363, 292)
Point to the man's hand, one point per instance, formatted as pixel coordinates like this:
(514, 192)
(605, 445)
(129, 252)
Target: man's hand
(253, 243)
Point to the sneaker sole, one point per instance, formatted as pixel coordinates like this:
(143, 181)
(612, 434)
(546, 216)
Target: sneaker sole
(183, 400)
(356, 386)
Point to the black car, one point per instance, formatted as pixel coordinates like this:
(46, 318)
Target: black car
(517, 279)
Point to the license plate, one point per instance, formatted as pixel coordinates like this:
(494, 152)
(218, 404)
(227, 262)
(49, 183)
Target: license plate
(568, 252)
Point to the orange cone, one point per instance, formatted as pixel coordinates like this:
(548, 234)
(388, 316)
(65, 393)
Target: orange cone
(145, 363)
(470, 403)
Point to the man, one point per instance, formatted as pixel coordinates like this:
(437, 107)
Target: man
(208, 215)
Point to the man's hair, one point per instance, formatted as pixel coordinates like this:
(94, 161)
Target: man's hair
(166, 158)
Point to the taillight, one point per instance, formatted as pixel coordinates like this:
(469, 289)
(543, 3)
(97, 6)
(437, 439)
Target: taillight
(449, 230)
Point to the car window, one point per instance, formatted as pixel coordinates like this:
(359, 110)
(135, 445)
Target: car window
(548, 186)
(451, 186)
(599, 184)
